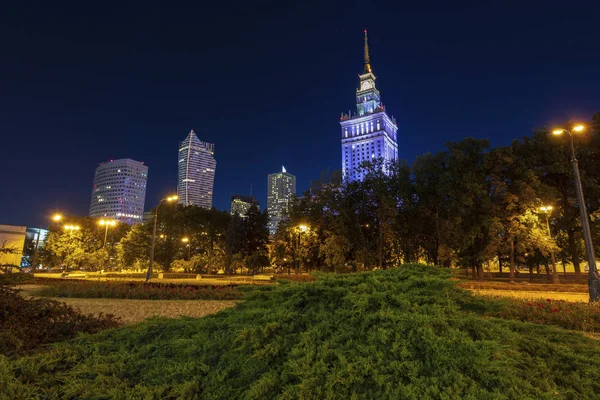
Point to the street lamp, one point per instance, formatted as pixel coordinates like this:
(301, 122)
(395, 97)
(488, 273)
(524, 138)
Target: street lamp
(107, 223)
(187, 240)
(301, 229)
(593, 278)
(55, 218)
(169, 200)
(546, 210)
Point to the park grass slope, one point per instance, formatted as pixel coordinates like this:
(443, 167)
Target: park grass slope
(405, 333)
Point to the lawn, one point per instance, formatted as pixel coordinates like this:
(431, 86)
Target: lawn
(406, 333)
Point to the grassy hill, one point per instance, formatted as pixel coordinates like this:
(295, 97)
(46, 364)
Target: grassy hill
(406, 333)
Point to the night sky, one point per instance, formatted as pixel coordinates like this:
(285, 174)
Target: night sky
(266, 82)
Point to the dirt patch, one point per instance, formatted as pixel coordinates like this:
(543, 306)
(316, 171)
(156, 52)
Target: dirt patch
(523, 294)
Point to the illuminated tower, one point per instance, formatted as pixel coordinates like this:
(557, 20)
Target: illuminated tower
(370, 133)
(282, 186)
(196, 172)
(120, 191)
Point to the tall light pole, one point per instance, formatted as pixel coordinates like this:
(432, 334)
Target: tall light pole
(106, 223)
(166, 199)
(546, 210)
(593, 278)
(301, 229)
(188, 245)
(55, 219)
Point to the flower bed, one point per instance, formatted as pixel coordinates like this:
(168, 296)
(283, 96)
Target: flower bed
(577, 316)
(137, 290)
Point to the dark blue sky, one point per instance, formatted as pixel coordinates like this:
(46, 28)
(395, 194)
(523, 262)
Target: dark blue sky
(266, 81)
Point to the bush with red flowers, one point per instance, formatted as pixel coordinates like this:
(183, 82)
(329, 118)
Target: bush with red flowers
(577, 316)
(138, 290)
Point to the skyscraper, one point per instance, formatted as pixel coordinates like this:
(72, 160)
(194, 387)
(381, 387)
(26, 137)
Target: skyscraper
(282, 186)
(241, 204)
(370, 133)
(120, 191)
(196, 172)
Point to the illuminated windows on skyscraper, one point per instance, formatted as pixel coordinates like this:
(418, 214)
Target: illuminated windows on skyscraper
(196, 172)
(120, 191)
(369, 134)
(282, 186)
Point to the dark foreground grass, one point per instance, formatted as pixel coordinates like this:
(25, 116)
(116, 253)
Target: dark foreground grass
(407, 333)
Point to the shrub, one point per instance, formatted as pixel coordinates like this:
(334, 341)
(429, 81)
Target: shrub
(294, 277)
(15, 278)
(407, 333)
(576, 316)
(27, 323)
(137, 290)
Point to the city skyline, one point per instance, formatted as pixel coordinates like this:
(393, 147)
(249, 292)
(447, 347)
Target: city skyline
(132, 90)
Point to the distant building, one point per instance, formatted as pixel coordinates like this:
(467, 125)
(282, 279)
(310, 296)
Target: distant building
(196, 172)
(148, 216)
(369, 134)
(120, 191)
(241, 204)
(282, 186)
(12, 237)
(37, 236)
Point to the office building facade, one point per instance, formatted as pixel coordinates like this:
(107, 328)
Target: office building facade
(370, 134)
(196, 172)
(281, 189)
(240, 204)
(119, 191)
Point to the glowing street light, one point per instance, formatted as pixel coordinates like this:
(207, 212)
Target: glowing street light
(168, 199)
(546, 210)
(593, 279)
(56, 217)
(106, 223)
(188, 245)
(301, 229)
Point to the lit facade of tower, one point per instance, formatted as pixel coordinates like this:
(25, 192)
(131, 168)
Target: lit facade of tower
(369, 134)
(119, 191)
(282, 186)
(196, 172)
(241, 204)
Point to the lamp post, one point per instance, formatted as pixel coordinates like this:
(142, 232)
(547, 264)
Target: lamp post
(546, 210)
(301, 229)
(55, 218)
(593, 278)
(188, 245)
(106, 223)
(166, 199)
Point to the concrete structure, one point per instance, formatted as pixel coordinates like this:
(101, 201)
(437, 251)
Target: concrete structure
(241, 204)
(370, 134)
(196, 172)
(11, 237)
(120, 191)
(281, 188)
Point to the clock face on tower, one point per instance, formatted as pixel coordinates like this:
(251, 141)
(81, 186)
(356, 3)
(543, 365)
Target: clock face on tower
(366, 85)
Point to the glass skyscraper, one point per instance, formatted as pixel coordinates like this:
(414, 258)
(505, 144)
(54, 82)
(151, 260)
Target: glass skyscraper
(120, 191)
(196, 172)
(369, 134)
(282, 186)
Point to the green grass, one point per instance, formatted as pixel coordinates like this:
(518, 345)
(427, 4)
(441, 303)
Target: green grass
(407, 333)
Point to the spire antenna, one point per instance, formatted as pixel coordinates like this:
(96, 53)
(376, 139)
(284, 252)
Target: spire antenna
(367, 58)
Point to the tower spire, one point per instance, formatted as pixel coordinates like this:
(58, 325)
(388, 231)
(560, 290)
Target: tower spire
(367, 58)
